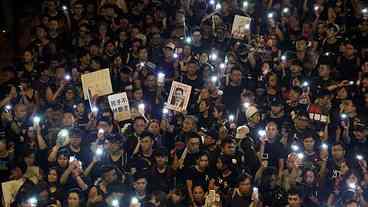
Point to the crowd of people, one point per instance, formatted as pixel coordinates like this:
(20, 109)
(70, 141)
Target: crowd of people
(276, 117)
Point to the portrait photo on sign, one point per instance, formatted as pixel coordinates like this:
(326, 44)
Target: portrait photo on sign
(179, 96)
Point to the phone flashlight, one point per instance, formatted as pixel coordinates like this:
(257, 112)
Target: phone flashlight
(36, 120)
(3, 31)
(222, 65)
(324, 146)
(74, 106)
(175, 55)
(72, 158)
(141, 106)
(161, 77)
(245, 4)
(359, 157)
(365, 10)
(343, 116)
(64, 133)
(214, 79)
(67, 77)
(212, 2)
(101, 131)
(283, 58)
(300, 155)
(231, 117)
(115, 203)
(294, 147)
(99, 151)
(352, 186)
(270, 15)
(316, 8)
(165, 111)
(32, 201)
(285, 10)
(94, 109)
(351, 83)
(64, 7)
(218, 6)
(305, 84)
(134, 201)
(213, 56)
(8, 108)
(188, 40)
(141, 64)
(262, 133)
(246, 104)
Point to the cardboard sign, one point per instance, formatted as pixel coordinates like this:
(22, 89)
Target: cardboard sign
(10, 190)
(119, 105)
(96, 83)
(179, 96)
(241, 26)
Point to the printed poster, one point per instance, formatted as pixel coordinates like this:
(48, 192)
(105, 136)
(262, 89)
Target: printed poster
(119, 105)
(96, 83)
(179, 96)
(241, 26)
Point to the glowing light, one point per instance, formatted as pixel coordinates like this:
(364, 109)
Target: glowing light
(359, 157)
(285, 10)
(231, 117)
(300, 155)
(67, 77)
(294, 147)
(218, 6)
(115, 203)
(262, 133)
(99, 151)
(214, 79)
(324, 146)
(246, 104)
(188, 40)
(36, 119)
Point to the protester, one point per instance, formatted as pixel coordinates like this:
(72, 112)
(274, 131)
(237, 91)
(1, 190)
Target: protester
(276, 114)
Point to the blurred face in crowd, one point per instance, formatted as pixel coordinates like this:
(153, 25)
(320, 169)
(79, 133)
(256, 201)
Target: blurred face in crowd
(338, 152)
(75, 141)
(309, 177)
(110, 176)
(168, 52)
(271, 130)
(150, 82)
(69, 95)
(20, 111)
(160, 161)
(139, 126)
(146, 144)
(60, 73)
(68, 119)
(140, 185)
(349, 50)
(202, 162)
(203, 106)
(294, 200)
(143, 54)
(324, 71)
(229, 149)
(235, 77)
(62, 161)
(28, 57)
(196, 37)
(113, 147)
(52, 176)
(360, 134)
(192, 69)
(245, 186)
(198, 194)
(73, 200)
(309, 144)
(138, 94)
(78, 9)
(193, 144)
(154, 128)
(51, 6)
(188, 125)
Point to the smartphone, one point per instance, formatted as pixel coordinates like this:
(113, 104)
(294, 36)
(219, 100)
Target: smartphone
(72, 158)
(264, 156)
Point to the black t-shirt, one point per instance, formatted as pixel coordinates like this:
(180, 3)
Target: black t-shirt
(198, 177)
(161, 181)
(275, 152)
